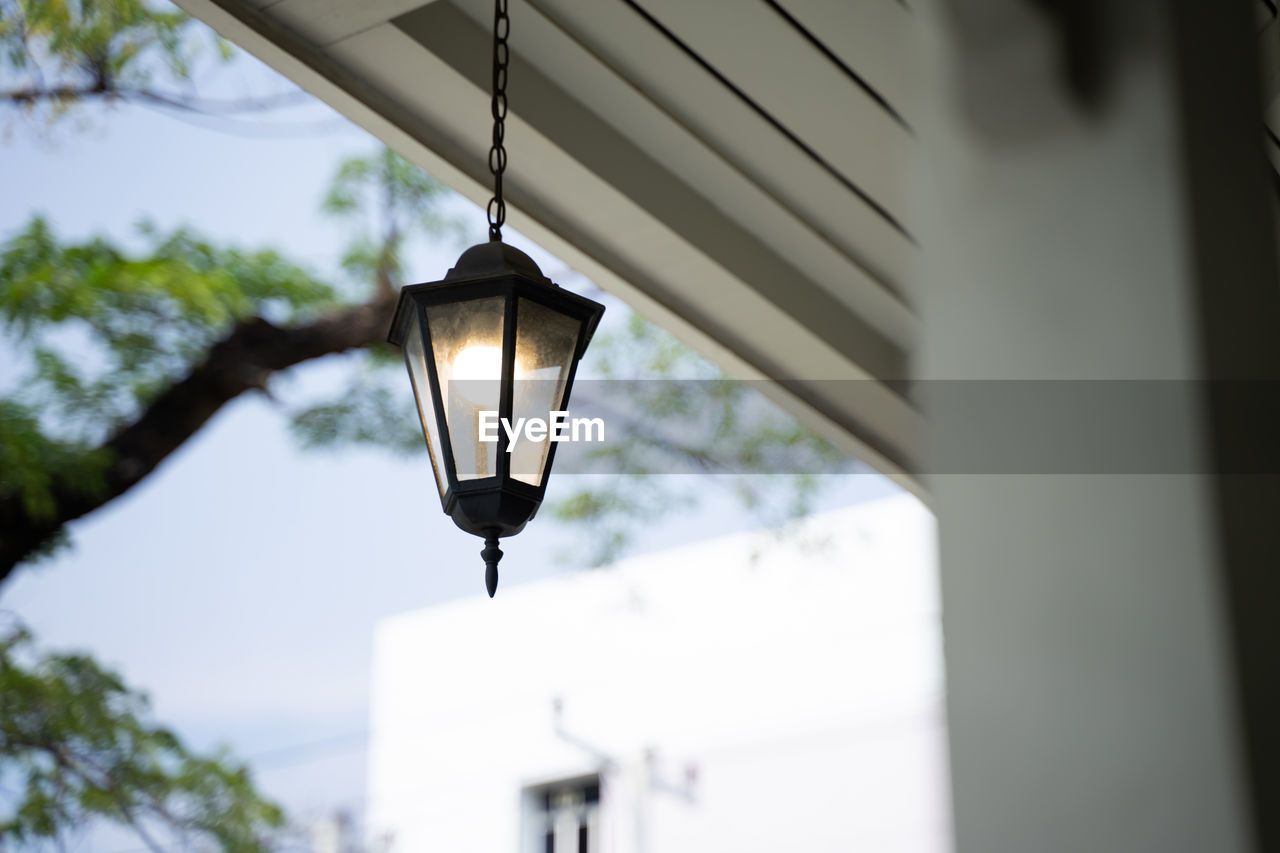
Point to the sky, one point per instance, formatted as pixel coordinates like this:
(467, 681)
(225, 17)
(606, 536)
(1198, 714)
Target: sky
(240, 584)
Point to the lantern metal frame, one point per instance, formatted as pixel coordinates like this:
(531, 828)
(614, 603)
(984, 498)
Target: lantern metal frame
(498, 505)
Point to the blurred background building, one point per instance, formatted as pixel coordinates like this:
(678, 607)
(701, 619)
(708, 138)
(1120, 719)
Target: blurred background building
(736, 694)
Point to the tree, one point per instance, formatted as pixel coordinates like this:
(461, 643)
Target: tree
(56, 55)
(178, 331)
(76, 744)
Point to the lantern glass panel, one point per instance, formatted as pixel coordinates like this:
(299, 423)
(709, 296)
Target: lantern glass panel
(546, 341)
(415, 358)
(466, 339)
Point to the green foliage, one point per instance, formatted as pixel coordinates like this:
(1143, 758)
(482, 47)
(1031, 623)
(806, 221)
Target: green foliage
(76, 35)
(371, 412)
(103, 331)
(639, 349)
(685, 417)
(401, 203)
(404, 196)
(609, 512)
(53, 53)
(30, 461)
(387, 196)
(76, 745)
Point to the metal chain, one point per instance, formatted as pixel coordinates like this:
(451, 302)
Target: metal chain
(498, 107)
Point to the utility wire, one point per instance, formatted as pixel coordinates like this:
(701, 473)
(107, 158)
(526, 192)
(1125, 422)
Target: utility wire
(288, 756)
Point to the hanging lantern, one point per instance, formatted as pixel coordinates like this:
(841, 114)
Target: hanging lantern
(495, 341)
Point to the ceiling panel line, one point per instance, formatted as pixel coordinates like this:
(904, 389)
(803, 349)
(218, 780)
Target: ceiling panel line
(773, 121)
(810, 223)
(830, 55)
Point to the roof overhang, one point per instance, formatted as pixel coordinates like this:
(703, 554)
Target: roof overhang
(735, 172)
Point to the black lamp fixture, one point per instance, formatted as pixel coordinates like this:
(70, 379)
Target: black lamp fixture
(494, 341)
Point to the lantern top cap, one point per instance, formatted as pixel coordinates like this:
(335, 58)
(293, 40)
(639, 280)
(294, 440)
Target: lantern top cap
(493, 260)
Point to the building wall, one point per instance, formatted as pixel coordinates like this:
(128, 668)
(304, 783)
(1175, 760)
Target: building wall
(1092, 696)
(801, 680)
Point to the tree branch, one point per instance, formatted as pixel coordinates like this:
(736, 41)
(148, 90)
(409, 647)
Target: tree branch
(35, 94)
(188, 103)
(219, 106)
(71, 763)
(244, 360)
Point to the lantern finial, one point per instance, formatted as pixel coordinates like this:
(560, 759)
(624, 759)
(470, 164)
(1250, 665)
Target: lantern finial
(491, 554)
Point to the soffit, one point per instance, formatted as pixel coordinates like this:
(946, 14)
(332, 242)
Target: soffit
(736, 171)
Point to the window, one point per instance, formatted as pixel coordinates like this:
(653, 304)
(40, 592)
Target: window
(564, 816)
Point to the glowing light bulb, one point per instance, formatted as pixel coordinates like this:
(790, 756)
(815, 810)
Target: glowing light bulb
(477, 373)
(478, 362)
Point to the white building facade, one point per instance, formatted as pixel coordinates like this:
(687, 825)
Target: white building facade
(741, 694)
